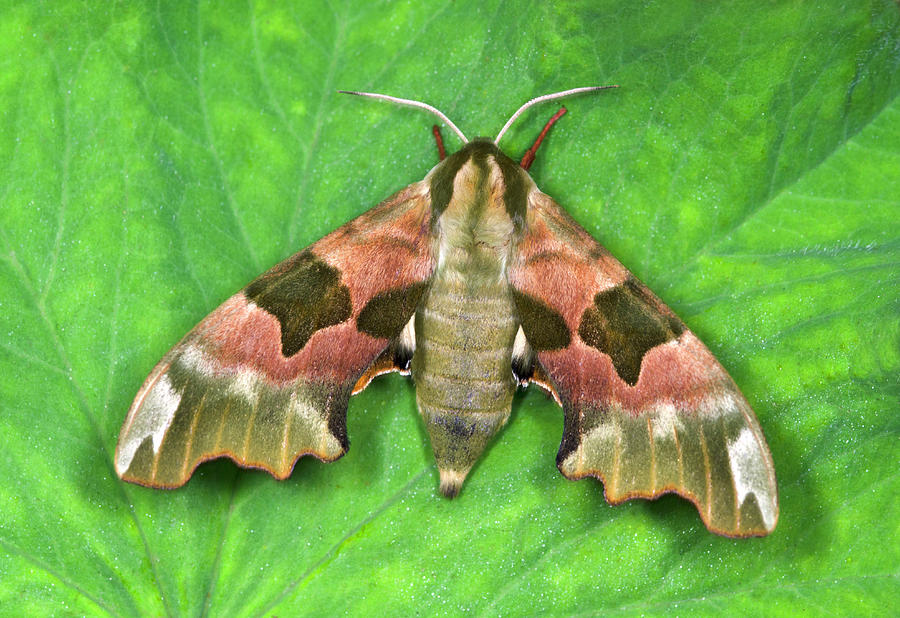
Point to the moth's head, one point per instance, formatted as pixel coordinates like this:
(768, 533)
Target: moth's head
(478, 167)
(483, 146)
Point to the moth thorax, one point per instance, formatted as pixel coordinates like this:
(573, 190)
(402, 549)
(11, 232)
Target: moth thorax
(474, 230)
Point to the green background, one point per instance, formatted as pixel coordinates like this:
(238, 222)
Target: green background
(155, 157)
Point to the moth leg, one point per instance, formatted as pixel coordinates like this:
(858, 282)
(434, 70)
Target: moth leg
(442, 153)
(528, 159)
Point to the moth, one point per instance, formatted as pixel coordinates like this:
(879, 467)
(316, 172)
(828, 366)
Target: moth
(473, 282)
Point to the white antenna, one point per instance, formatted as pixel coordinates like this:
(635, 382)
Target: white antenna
(411, 103)
(546, 97)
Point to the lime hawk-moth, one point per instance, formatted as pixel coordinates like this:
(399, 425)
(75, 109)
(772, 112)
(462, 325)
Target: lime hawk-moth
(473, 282)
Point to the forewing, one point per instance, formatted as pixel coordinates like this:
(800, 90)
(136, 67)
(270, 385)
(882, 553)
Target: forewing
(267, 376)
(648, 409)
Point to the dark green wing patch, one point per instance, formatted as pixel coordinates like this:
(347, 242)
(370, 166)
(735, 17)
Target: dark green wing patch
(545, 329)
(625, 323)
(387, 313)
(305, 294)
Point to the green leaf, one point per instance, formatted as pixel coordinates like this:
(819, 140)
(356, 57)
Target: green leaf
(157, 157)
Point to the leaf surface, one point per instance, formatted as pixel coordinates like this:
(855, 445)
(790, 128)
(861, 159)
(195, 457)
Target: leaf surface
(154, 159)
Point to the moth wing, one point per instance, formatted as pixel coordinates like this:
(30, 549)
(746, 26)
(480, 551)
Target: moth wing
(267, 376)
(648, 409)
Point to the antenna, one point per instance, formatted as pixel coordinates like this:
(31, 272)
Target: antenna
(546, 97)
(411, 103)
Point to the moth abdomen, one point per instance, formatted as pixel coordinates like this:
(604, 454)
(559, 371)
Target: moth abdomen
(462, 370)
(458, 438)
